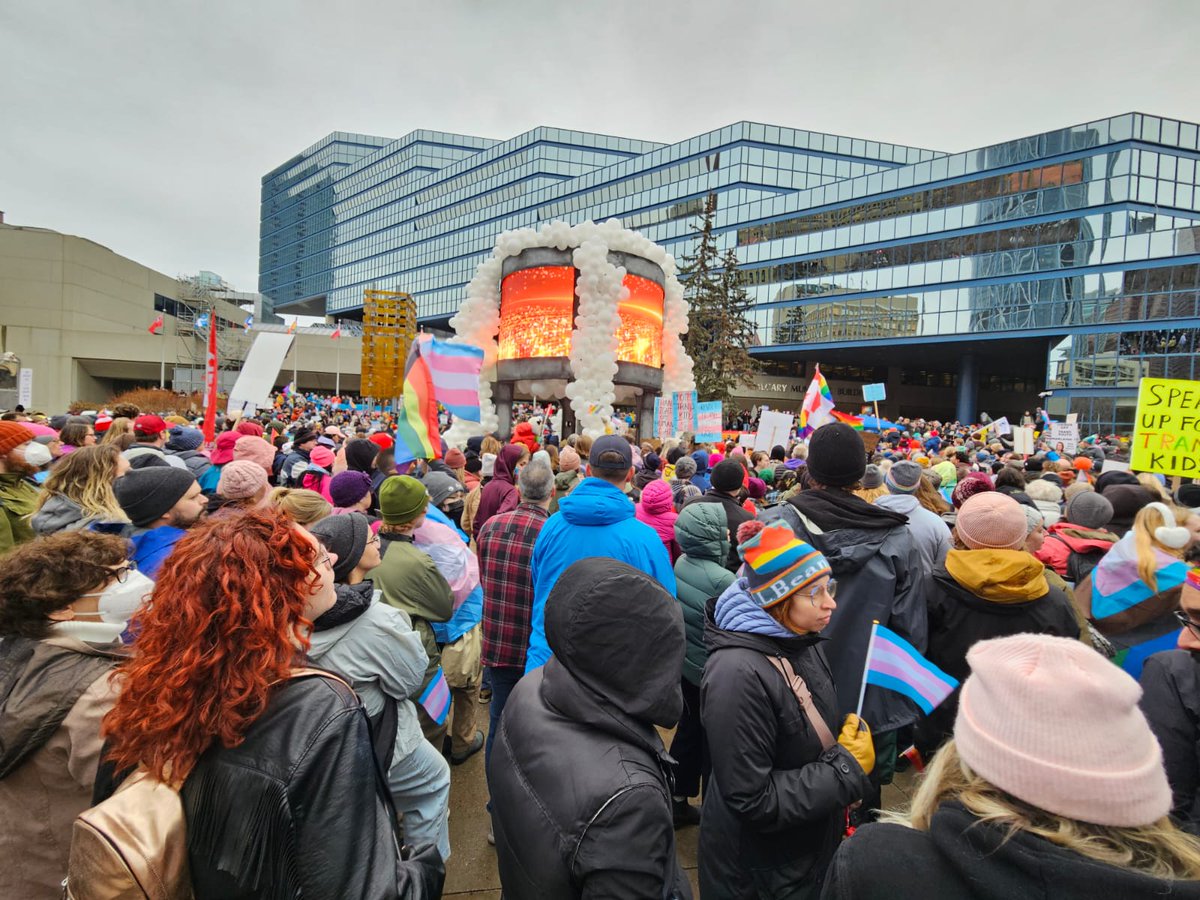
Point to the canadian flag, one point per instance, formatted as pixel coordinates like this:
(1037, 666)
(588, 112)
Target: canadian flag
(157, 325)
(337, 333)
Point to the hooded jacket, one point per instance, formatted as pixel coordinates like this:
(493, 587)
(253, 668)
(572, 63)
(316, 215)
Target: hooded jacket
(382, 657)
(735, 514)
(587, 719)
(979, 595)
(879, 578)
(61, 513)
(411, 582)
(595, 520)
(961, 858)
(1171, 701)
(701, 479)
(702, 533)
(1065, 538)
(931, 537)
(774, 808)
(197, 463)
(500, 494)
(53, 694)
(151, 548)
(656, 508)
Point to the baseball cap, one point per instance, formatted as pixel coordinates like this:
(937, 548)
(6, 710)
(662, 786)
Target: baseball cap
(149, 424)
(605, 452)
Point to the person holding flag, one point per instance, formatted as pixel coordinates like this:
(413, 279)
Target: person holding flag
(775, 805)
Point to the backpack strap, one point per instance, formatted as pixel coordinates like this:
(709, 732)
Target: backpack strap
(804, 696)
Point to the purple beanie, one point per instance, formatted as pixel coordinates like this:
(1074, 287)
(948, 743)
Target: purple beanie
(347, 488)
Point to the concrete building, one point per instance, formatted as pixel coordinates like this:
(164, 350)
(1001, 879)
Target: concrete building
(77, 315)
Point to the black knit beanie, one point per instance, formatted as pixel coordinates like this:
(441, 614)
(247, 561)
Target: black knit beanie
(346, 535)
(148, 494)
(837, 456)
(727, 476)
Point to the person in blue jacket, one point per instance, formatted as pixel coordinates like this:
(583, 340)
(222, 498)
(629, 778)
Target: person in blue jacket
(596, 519)
(701, 478)
(162, 503)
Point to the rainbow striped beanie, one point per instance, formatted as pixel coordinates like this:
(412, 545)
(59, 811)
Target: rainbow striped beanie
(778, 564)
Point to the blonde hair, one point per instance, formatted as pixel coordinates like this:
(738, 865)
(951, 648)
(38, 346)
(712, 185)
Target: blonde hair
(583, 446)
(117, 428)
(1160, 850)
(1154, 486)
(85, 477)
(871, 494)
(490, 444)
(928, 496)
(1144, 524)
(304, 506)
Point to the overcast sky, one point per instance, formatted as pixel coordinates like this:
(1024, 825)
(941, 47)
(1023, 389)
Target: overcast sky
(148, 126)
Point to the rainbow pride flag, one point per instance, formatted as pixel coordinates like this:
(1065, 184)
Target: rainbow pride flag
(436, 698)
(817, 406)
(854, 422)
(895, 664)
(455, 372)
(417, 434)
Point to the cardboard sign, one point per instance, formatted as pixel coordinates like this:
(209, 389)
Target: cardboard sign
(1111, 465)
(1064, 433)
(675, 413)
(708, 422)
(873, 393)
(1166, 436)
(773, 428)
(25, 388)
(1002, 425)
(1023, 441)
(746, 441)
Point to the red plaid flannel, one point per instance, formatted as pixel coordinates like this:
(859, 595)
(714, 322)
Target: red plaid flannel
(505, 547)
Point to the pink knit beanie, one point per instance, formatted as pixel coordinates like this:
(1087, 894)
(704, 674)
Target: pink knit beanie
(991, 521)
(1055, 724)
(568, 460)
(241, 480)
(256, 450)
(321, 456)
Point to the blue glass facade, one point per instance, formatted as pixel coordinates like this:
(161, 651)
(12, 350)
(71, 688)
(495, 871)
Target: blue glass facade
(1066, 261)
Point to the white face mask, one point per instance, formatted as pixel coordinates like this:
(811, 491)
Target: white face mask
(37, 454)
(120, 600)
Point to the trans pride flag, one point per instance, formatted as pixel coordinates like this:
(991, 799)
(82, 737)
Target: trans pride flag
(893, 663)
(436, 698)
(817, 408)
(436, 372)
(455, 372)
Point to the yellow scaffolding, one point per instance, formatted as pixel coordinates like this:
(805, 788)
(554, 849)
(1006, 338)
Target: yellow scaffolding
(389, 328)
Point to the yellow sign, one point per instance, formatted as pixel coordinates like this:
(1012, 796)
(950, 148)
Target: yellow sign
(1167, 431)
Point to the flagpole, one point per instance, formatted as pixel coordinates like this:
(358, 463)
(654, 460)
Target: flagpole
(862, 691)
(337, 383)
(295, 355)
(162, 359)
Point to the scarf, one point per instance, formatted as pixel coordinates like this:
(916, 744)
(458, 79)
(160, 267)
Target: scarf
(352, 601)
(831, 510)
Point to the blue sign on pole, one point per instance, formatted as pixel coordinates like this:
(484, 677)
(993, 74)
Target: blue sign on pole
(873, 393)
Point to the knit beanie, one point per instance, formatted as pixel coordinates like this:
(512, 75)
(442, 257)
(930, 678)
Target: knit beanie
(321, 456)
(401, 499)
(442, 486)
(651, 462)
(1044, 490)
(727, 476)
(250, 427)
(148, 494)
(991, 521)
(872, 478)
(756, 487)
(241, 480)
(684, 491)
(568, 460)
(974, 483)
(1079, 487)
(223, 452)
(1082, 463)
(1089, 510)
(903, 477)
(455, 458)
(836, 455)
(184, 438)
(685, 468)
(345, 536)
(1056, 725)
(347, 488)
(256, 450)
(777, 563)
(12, 436)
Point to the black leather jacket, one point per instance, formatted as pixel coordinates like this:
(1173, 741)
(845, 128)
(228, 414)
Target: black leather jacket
(297, 809)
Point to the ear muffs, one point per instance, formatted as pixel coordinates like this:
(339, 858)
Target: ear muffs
(1169, 535)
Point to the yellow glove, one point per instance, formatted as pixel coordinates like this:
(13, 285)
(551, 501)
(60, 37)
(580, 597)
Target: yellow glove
(855, 736)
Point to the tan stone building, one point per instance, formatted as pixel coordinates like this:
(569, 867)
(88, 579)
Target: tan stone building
(77, 315)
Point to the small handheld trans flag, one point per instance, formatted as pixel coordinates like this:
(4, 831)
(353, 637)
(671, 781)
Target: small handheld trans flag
(436, 698)
(895, 664)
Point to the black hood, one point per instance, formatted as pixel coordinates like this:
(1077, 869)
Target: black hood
(619, 634)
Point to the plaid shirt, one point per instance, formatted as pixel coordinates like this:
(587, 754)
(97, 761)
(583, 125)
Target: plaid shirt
(505, 547)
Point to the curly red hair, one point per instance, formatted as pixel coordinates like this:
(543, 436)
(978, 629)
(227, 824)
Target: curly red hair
(225, 621)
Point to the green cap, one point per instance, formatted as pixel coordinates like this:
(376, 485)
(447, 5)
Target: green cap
(401, 499)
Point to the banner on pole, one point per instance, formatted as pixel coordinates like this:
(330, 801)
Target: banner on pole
(210, 388)
(1166, 436)
(708, 422)
(873, 393)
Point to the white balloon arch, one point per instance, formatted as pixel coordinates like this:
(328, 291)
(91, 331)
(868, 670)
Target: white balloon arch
(600, 289)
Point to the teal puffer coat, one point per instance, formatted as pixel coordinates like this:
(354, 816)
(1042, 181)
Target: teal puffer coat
(702, 532)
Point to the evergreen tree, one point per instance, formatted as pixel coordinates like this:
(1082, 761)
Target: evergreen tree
(720, 331)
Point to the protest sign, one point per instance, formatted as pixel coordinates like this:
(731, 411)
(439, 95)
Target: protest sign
(675, 413)
(1023, 441)
(746, 441)
(1166, 435)
(708, 422)
(773, 428)
(1111, 465)
(873, 393)
(1002, 426)
(1064, 433)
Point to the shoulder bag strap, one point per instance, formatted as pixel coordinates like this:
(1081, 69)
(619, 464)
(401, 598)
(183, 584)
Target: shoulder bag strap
(804, 696)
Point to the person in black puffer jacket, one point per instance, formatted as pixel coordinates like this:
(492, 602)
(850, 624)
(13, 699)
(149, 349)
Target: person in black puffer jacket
(775, 806)
(586, 720)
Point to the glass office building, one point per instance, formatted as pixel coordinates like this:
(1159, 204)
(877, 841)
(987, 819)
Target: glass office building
(1066, 261)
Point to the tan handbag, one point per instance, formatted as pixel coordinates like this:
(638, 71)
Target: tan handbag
(804, 696)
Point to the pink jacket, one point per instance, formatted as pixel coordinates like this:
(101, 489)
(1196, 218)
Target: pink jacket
(657, 509)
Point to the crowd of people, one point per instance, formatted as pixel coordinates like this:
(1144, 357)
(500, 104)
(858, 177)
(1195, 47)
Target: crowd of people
(292, 639)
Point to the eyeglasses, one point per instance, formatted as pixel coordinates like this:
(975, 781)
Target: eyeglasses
(374, 541)
(829, 588)
(122, 574)
(325, 560)
(1186, 622)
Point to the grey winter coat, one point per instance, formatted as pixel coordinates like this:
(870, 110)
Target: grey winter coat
(381, 656)
(60, 513)
(929, 532)
(197, 463)
(702, 533)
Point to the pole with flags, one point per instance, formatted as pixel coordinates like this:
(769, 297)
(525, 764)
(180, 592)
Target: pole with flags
(156, 327)
(295, 352)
